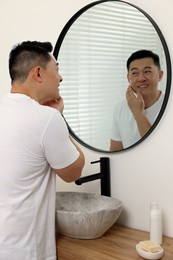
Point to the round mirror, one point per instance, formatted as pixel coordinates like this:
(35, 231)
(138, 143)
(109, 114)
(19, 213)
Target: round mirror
(92, 51)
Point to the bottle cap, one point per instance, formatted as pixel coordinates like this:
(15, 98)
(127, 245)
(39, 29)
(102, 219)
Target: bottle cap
(154, 206)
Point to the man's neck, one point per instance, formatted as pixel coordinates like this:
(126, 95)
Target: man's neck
(152, 100)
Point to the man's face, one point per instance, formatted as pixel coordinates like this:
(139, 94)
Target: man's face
(52, 80)
(144, 75)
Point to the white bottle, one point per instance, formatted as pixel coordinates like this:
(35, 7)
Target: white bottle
(155, 223)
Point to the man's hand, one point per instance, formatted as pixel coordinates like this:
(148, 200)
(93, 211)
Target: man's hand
(135, 101)
(137, 105)
(57, 104)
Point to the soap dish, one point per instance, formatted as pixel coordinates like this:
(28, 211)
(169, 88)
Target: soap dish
(148, 255)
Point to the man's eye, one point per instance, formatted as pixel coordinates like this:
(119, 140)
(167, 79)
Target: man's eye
(134, 73)
(147, 71)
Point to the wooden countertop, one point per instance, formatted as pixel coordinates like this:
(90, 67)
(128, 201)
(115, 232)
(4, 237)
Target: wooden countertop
(117, 243)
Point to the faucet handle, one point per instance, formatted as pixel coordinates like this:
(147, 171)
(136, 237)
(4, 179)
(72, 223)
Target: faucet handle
(102, 160)
(95, 162)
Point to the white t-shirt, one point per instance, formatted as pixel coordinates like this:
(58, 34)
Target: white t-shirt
(33, 140)
(124, 127)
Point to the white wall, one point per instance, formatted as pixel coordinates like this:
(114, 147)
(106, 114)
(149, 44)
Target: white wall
(140, 175)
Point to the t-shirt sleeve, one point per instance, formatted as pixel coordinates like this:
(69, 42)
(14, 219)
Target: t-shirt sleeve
(60, 152)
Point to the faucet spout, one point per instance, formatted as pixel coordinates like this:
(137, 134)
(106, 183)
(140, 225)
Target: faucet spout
(89, 178)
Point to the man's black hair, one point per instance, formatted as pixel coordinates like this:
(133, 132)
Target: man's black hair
(24, 56)
(144, 54)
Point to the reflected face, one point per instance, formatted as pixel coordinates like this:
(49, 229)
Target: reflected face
(144, 75)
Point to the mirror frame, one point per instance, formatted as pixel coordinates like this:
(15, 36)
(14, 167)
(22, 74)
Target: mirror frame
(168, 67)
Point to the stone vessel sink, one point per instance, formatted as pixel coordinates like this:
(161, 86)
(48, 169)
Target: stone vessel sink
(85, 215)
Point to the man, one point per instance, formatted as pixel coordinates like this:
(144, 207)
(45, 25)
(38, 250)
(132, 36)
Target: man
(35, 146)
(133, 118)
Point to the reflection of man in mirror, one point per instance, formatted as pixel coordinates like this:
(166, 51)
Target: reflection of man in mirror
(133, 117)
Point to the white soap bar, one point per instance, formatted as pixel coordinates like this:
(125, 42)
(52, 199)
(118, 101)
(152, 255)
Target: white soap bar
(150, 246)
(148, 255)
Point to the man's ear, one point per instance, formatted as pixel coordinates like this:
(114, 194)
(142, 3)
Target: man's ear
(37, 74)
(128, 78)
(160, 75)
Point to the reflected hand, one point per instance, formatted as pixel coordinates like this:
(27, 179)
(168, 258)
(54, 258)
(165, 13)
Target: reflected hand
(135, 101)
(137, 105)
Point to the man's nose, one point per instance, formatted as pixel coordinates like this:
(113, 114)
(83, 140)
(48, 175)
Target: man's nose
(141, 76)
(61, 79)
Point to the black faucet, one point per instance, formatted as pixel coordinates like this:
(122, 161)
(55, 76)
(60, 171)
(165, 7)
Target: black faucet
(104, 176)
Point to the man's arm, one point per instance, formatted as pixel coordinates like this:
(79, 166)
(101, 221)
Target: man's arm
(115, 146)
(142, 123)
(74, 170)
